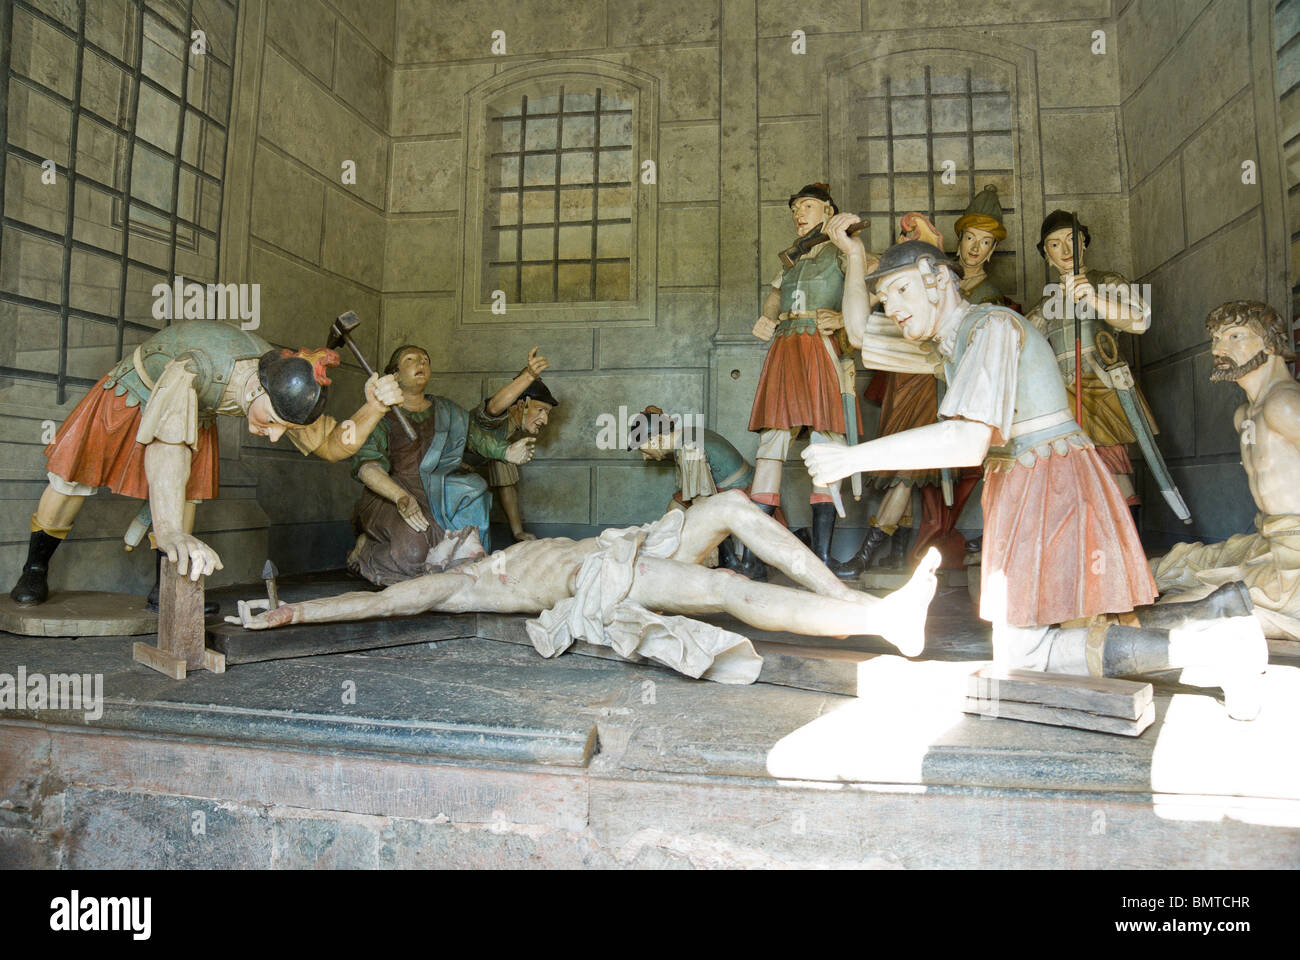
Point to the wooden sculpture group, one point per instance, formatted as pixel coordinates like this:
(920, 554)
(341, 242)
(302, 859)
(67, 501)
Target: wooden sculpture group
(1037, 403)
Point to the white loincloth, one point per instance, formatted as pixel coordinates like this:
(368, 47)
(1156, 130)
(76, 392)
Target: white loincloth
(600, 613)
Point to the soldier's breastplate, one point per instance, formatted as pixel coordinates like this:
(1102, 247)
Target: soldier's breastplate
(1042, 409)
(1061, 337)
(813, 283)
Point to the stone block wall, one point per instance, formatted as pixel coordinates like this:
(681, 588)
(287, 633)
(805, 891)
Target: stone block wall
(1202, 168)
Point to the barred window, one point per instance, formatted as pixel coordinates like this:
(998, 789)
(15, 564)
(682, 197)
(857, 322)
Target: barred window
(559, 204)
(114, 102)
(929, 141)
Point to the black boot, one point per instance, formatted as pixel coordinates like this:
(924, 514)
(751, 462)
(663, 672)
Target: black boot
(32, 587)
(1230, 600)
(210, 607)
(823, 526)
(857, 564)
(896, 559)
(747, 564)
(1237, 668)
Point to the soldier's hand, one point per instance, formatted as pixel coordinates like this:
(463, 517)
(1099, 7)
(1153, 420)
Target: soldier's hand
(383, 391)
(521, 451)
(1077, 287)
(410, 510)
(828, 320)
(536, 363)
(828, 462)
(837, 231)
(764, 328)
(191, 555)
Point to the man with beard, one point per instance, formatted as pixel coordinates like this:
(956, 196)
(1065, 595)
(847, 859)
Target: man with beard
(1059, 544)
(1251, 345)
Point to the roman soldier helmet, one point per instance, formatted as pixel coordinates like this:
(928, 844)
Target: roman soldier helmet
(984, 213)
(1057, 220)
(296, 382)
(912, 253)
(818, 191)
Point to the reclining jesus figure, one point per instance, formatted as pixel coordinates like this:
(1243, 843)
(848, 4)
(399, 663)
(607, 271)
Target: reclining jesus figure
(635, 589)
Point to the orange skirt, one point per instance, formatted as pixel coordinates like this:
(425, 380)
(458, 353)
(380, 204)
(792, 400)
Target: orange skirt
(1059, 543)
(910, 400)
(799, 387)
(96, 446)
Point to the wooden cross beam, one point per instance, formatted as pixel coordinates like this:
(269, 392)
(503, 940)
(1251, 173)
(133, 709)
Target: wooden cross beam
(181, 633)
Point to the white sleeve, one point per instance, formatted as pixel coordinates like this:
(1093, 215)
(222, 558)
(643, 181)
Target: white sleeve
(172, 413)
(984, 387)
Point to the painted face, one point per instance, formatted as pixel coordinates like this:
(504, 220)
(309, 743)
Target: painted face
(1059, 249)
(1237, 350)
(413, 371)
(262, 421)
(902, 296)
(976, 247)
(534, 416)
(808, 214)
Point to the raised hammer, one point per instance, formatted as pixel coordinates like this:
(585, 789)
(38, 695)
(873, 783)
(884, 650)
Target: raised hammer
(341, 333)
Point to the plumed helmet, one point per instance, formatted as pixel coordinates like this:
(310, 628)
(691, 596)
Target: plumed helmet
(296, 382)
(817, 191)
(907, 254)
(1057, 220)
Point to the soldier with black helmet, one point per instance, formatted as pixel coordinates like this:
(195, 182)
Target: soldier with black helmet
(147, 430)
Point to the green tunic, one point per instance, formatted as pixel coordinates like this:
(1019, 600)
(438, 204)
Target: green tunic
(375, 449)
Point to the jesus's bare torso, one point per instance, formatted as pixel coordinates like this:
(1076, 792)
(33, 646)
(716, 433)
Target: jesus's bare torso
(1269, 429)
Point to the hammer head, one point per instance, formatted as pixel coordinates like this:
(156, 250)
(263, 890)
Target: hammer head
(269, 572)
(342, 328)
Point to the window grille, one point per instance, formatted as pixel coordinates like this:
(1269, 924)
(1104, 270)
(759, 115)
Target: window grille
(135, 122)
(1286, 38)
(559, 218)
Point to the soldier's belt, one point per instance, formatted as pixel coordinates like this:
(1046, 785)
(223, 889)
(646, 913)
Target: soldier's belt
(1024, 428)
(797, 321)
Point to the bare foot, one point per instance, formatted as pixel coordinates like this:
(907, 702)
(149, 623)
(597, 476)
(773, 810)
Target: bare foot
(902, 613)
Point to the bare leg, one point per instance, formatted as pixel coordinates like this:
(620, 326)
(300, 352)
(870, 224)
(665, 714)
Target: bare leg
(710, 520)
(677, 587)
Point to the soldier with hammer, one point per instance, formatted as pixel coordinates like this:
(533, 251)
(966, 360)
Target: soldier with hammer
(147, 429)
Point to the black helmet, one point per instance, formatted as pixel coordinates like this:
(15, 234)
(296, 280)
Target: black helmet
(539, 392)
(817, 191)
(296, 382)
(908, 254)
(1057, 220)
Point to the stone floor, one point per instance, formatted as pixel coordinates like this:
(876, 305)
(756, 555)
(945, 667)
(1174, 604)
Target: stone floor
(476, 752)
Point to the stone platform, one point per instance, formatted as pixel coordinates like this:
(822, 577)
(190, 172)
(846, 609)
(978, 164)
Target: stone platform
(467, 751)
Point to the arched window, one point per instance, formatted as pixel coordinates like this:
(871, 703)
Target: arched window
(557, 217)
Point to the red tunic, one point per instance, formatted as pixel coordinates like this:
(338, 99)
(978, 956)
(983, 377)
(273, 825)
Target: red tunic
(799, 387)
(96, 446)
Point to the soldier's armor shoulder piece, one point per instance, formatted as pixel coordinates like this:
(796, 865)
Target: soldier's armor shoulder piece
(209, 348)
(1039, 387)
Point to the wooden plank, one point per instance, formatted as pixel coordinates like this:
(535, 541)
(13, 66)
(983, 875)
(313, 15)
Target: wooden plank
(315, 639)
(1061, 717)
(165, 663)
(180, 615)
(1105, 696)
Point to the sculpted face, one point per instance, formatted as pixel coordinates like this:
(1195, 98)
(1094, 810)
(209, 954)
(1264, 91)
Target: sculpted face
(262, 421)
(1237, 350)
(975, 247)
(1059, 249)
(902, 297)
(534, 416)
(413, 371)
(659, 446)
(808, 214)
